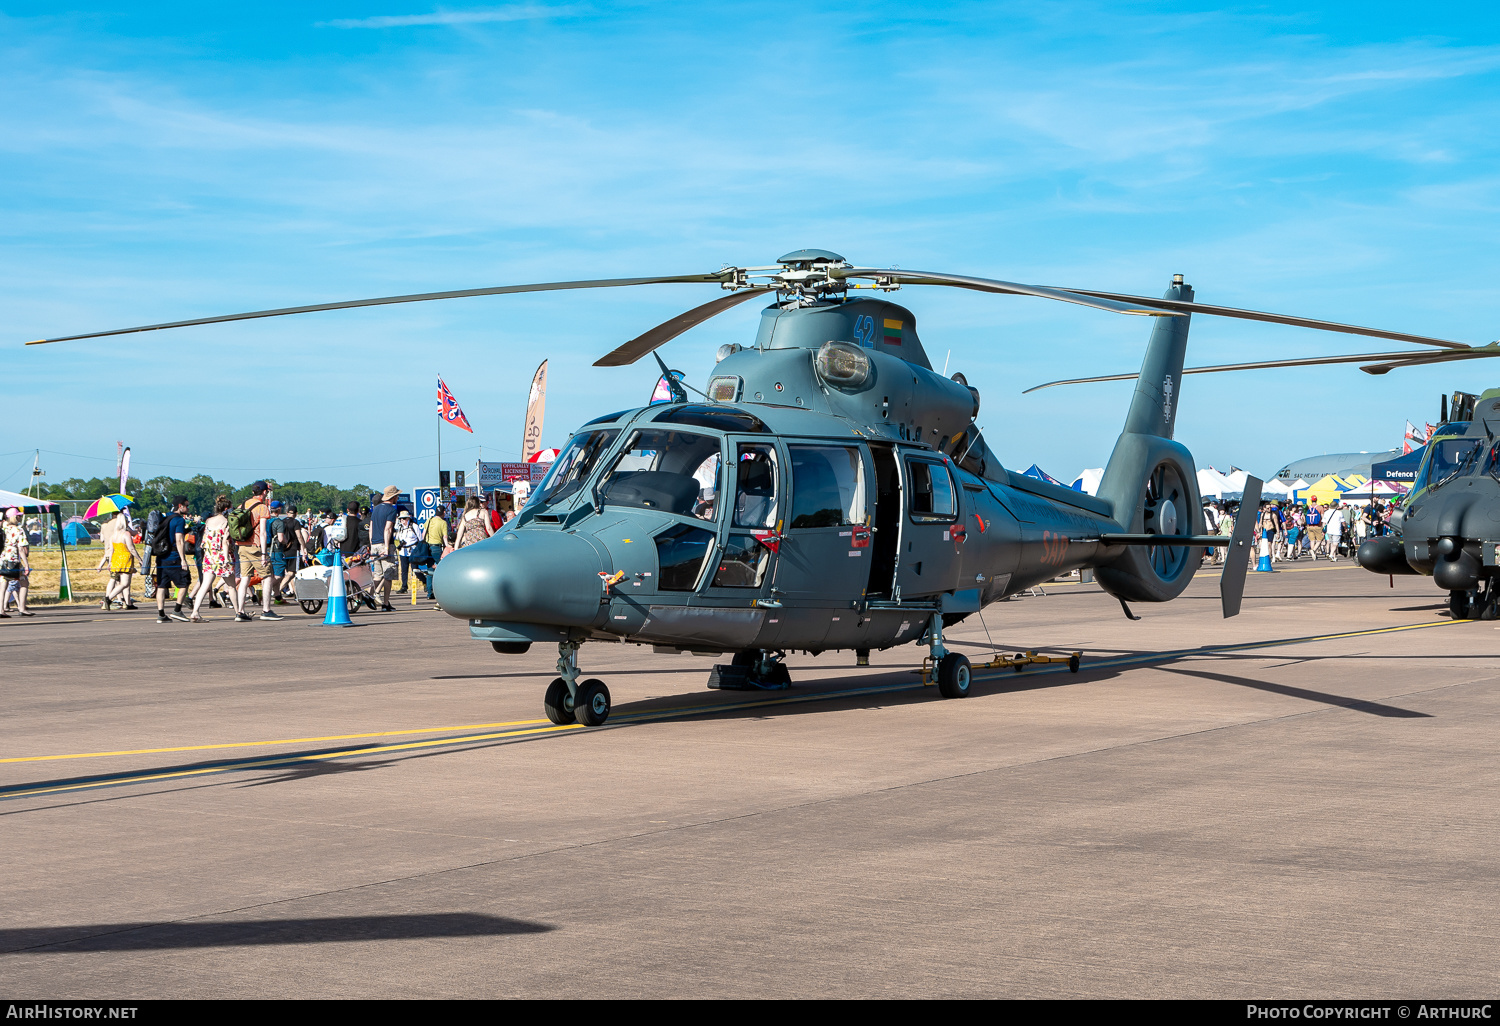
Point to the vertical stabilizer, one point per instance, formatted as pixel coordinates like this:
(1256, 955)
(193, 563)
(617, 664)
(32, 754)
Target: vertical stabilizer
(1150, 480)
(1153, 408)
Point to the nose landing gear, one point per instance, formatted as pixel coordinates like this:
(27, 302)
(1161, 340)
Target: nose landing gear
(569, 701)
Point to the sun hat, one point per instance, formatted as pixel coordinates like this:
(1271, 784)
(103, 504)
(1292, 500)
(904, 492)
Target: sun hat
(390, 493)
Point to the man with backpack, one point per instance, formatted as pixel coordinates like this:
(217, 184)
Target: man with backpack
(247, 530)
(286, 542)
(164, 536)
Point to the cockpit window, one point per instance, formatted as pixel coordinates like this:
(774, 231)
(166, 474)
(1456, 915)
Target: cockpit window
(672, 471)
(573, 466)
(1444, 456)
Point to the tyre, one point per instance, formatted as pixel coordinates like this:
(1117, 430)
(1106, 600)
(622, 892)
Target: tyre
(1458, 604)
(593, 703)
(311, 606)
(954, 676)
(556, 703)
(511, 647)
(1073, 663)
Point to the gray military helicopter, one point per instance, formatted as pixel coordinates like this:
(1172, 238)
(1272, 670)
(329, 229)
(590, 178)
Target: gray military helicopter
(827, 490)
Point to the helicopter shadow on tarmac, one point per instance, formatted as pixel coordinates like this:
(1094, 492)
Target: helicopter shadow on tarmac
(883, 690)
(184, 934)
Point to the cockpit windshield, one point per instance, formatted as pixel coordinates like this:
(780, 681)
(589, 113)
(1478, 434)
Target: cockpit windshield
(672, 471)
(1444, 456)
(573, 466)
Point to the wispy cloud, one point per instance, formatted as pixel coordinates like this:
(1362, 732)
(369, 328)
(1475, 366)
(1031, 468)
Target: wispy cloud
(516, 12)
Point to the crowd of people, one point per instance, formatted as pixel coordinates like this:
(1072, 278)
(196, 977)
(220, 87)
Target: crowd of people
(246, 555)
(1312, 529)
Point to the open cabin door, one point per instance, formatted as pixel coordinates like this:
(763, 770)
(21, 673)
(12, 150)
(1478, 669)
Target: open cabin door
(885, 522)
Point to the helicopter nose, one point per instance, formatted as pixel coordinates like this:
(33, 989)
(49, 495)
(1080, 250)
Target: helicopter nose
(527, 576)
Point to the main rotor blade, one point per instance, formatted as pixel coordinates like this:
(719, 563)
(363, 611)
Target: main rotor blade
(665, 332)
(421, 297)
(1120, 304)
(1257, 315)
(1402, 360)
(1423, 359)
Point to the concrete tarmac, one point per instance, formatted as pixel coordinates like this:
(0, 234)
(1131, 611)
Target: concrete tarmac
(1298, 802)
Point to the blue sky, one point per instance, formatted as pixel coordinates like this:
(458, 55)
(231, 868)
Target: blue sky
(167, 161)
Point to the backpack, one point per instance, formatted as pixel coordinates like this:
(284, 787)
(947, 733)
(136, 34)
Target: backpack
(159, 534)
(285, 533)
(241, 524)
(335, 532)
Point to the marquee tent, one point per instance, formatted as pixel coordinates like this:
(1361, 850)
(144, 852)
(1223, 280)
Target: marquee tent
(1088, 481)
(1214, 485)
(1382, 490)
(1324, 490)
(1402, 469)
(1038, 474)
(29, 505)
(1274, 489)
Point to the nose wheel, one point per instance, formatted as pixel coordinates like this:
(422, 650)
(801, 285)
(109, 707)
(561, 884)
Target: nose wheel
(569, 700)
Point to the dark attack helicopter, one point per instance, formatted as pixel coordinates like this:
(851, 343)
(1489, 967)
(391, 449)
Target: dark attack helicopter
(829, 490)
(1449, 524)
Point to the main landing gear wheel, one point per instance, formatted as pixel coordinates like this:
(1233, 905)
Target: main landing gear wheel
(954, 676)
(310, 606)
(592, 708)
(1458, 604)
(559, 707)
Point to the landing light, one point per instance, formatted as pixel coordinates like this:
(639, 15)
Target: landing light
(843, 365)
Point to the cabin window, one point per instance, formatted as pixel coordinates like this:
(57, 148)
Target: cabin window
(680, 551)
(932, 494)
(755, 486)
(742, 563)
(671, 471)
(828, 486)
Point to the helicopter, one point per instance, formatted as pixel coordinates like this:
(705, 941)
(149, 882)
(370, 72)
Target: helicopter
(827, 490)
(1448, 526)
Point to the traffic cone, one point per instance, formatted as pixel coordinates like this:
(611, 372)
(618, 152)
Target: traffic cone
(338, 602)
(1263, 564)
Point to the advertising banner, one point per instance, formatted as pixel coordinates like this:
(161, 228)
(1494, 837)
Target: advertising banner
(427, 502)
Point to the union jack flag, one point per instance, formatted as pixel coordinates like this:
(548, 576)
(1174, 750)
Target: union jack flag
(449, 410)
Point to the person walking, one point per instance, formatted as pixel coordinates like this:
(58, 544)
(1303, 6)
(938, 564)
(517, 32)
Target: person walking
(15, 561)
(383, 546)
(247, 529)
(171, 566)
(285, 534)
(407, 540)
(435, 535)
(474, 525)
(1315, 532)
(218, 562)
(122, 559)
(1294, 523)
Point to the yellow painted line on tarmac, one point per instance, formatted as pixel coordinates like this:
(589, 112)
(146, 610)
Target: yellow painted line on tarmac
(283, 741)
(271, 762)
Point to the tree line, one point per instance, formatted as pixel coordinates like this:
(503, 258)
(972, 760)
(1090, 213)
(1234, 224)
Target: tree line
(201, 490)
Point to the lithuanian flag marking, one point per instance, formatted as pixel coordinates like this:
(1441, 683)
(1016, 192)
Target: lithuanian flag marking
(892, 331)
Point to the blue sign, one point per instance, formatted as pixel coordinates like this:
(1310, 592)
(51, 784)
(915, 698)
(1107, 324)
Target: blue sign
(427, 503)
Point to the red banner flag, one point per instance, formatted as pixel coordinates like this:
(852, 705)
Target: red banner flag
(449, 410)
